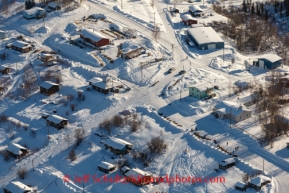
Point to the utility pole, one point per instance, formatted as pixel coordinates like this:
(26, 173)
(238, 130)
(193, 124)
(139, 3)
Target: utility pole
(121, 4)
(180, 95)
(32, 165)
(112, 87)
(230, 117)
(263, 165)
(154, 21)
(173, 50)
(223, 53)
(43, 21)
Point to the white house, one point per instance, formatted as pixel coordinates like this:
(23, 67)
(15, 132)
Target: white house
(231, 110)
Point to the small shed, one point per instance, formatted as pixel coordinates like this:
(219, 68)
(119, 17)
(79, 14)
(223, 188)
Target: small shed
(188, 19)
(21, 46)
(202, 133)
(53, 6)
(138, 177)
(49, 88)
(45, 57)
(56, 121)
(241, 186)
(44, 115)
(4, 69)
(35, 12)
(106, 167)
(16, 151)
(134, 53)
(259, 181)
(269, 61)
(3, 35)
(227, 163)
(17, 187)
(124, 169)
(174, 10)
(118, 146)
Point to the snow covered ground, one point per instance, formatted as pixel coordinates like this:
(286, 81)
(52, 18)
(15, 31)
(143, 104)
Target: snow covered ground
(186, 154)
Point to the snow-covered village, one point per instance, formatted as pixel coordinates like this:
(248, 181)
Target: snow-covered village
(148, 96)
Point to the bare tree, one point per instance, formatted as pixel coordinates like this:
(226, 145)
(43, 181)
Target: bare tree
(72, 155)
(67, 139)
(79, 135)
(156, 34)
(22, 173)
(157, 145)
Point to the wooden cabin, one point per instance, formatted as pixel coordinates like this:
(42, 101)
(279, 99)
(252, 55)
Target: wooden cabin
(16, 151)
(48, 88)
(138, 177)
(118, 146)
(106, 167)
(56, 121)
(227, 163)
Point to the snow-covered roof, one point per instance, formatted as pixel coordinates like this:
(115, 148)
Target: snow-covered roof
(194, 8)
(202, 86)
(3, 67)
(18, 187)
(230, 107)
(245, 99)
(205, 35)
(187, 17)
(106, 165)
(20, 44)
(47, 84)
(137, 173)
(240, 184)
(197, 25)
(55, 119)
(271, 57)
(104, 84)
(95, 79)
(258, 180)
(125, 168)
(117, 143)
(52, 4)
(202, 133)
(33, 10)
(93, 35)
(15, 148)
(227, 161)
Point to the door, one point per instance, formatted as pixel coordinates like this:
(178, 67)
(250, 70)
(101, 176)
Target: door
(261, 63)
(211, 46)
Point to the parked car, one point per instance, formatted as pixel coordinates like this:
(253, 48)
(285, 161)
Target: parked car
(171, 70)
(182, 72)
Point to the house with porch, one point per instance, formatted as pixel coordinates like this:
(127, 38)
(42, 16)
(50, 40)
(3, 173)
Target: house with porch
(105, 85)
(201, 90)
(106, 167)
(34, 13)
(188, 20)
(231, 110)
(48, 88)
(196, 11)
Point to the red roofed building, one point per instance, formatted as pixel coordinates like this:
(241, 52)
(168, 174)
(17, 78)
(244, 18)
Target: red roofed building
(94, 37)
(188, 19)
